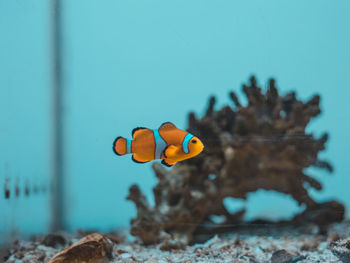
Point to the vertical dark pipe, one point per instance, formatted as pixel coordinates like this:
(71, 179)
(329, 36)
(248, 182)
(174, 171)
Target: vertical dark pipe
(57, 180)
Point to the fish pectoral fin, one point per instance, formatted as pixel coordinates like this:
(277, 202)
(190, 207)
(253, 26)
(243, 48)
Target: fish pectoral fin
(137, 159)
(170, 151)
(168, 163)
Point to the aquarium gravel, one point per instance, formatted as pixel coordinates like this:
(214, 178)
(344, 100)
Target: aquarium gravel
(262, 243)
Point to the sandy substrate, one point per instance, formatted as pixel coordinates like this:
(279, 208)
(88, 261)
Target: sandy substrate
(257, 244)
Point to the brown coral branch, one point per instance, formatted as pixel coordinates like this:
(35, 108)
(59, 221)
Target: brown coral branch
(263, 145)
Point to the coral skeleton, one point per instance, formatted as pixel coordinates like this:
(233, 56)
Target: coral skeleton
(263, 145)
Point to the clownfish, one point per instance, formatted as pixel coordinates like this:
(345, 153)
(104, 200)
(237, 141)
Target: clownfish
(167, 143)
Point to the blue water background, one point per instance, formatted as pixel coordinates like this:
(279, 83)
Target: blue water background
(25, 118)
(141, 63)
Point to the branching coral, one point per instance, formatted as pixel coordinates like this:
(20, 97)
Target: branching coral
(263, 145)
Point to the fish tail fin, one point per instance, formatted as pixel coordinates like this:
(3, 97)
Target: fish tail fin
(120, 146)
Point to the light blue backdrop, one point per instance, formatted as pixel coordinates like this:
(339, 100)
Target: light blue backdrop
(25, 118)
(141, 63)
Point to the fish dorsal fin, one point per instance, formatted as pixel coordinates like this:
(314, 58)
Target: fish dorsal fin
(135, 132)
(167, 126)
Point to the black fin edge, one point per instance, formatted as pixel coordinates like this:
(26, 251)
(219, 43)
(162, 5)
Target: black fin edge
(132, 158)
(165, 151)
(136, 129)
(114, 143)
(165, 163)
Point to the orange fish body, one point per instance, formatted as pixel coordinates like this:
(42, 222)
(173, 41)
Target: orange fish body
(167, 143)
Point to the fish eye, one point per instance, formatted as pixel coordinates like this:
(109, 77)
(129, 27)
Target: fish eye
(194, 141)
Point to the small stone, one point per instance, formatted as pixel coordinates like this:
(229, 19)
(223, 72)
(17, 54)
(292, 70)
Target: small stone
(283, 256)
(119, 252)
(334, 237)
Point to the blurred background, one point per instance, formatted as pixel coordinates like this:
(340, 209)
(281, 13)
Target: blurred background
(74, 75)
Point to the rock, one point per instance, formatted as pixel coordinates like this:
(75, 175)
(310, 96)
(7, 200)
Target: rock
(283, 256)
(94, 248)
(341, 249)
